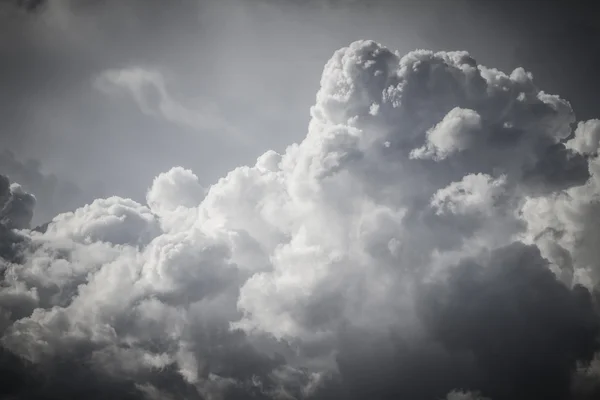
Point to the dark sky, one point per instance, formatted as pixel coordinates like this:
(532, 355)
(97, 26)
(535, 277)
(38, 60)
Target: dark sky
(559, 42)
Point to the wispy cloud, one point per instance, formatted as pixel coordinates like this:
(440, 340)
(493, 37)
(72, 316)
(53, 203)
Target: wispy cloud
(149, 89)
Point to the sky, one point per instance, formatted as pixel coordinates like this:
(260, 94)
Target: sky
(279, 199)
(210, 85)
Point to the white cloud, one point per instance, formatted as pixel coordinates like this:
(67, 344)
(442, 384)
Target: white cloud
(16, 206)
(451, 135)
(587, 137)
(478, 193)
(340, 231)
(149, 91)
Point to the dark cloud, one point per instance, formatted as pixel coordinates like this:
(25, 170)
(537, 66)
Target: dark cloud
(502, 325)
(513, 315)
(557, 168)
(68, 379)
(389, 366)
(16, 205)
(53, 195)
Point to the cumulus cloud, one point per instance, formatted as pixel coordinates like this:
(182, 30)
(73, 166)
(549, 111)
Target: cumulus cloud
(587, 137)
(450, 135)
(413, 245)
(16, 206)
(523, 320)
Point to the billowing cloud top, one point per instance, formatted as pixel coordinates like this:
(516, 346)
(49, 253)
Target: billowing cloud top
(16, 206)
(432, 236)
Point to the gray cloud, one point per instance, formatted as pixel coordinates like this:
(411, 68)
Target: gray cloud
(149, 91)
(398, 250)
(523, 320)
(16, 206)
(381, 256)
(249, 67)
(53, 195)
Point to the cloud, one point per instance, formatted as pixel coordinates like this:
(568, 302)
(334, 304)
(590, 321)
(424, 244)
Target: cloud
(413, 245)
(149, 91)
(16, 206)
(587, 137)
(53, 195)
(524, 320)
(450, 135)
(459, 395)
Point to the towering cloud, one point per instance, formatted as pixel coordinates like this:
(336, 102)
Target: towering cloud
(432, 237)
